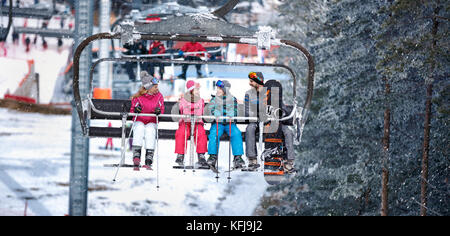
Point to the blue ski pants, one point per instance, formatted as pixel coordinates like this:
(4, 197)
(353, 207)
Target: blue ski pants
(235, 134)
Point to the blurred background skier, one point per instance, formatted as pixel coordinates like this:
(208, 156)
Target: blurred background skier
(191, 47)
(156, 47)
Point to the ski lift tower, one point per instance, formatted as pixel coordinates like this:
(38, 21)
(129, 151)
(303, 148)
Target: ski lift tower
(80, 144)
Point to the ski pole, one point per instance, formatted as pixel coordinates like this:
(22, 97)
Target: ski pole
(261, 130)
(185, 144)
(191, 148)
(157, 153)
(191, 145)
(229, 152)
(157, 147)
(196, 139)
(122, 160)
(217, 149)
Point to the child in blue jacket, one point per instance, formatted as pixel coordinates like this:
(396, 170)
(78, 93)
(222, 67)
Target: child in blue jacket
(224, 104)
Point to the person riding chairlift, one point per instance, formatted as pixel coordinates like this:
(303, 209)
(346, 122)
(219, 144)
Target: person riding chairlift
(224, 104)
(191, 104)
(147, 100)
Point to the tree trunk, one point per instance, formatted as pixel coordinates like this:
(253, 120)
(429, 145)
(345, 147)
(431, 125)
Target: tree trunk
(385, 161)
(426, 135)
(426, 148)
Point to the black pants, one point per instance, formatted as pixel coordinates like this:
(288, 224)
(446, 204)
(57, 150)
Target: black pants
(152, 67)
(185, 66)
(129, 68)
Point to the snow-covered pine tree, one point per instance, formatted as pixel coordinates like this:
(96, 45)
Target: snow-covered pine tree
(339, 157)
(359, 47)
(413, 55)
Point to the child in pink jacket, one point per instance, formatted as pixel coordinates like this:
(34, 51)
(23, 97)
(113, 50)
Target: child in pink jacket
(147, 100)
(191, 104)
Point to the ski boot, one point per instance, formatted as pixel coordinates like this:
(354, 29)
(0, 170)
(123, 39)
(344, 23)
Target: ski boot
(289, 167)
(253, 164)
(136, 157)
(149, 159)
(180, 159)
(238, 162)
(201, 160)
(212, 161)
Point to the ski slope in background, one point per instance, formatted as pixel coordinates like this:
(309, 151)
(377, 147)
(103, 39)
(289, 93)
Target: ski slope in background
(48, 62)
(35, 165)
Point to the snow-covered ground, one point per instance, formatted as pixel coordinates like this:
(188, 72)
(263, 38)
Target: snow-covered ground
(35, 164)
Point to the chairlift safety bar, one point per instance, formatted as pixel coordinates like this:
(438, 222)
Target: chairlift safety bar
(236, 118)
(166, 37)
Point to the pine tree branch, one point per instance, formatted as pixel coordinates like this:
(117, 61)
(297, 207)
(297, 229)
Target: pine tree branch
(440, 17)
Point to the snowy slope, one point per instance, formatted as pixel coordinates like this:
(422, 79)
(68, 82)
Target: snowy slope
(48, 63)
(35, 164)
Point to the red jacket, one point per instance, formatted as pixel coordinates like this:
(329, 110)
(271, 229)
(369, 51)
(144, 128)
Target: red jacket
(156, 48)
(193, 47)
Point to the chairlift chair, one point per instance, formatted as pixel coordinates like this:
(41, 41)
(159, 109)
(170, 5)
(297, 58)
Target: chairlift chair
(189, 27)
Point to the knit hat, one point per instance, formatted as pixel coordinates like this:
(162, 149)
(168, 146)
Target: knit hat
(147, 80)
(225, 86)
(191, 85)
(257, 77)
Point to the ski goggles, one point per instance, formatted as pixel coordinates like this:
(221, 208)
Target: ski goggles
(253, 75)
(220, 84)
(153, 82)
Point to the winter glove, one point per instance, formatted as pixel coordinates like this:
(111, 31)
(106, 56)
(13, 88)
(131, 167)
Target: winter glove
(138, 109)
(157, 111)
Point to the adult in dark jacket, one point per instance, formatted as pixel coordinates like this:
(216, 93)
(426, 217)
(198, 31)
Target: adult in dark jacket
(134, 49)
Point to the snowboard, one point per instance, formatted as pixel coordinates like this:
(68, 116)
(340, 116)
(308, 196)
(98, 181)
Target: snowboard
(275, 152)
(274, 155)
